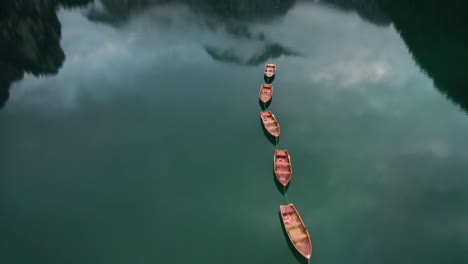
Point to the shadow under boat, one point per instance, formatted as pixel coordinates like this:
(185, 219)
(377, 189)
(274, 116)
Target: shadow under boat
(270, 138)
(291, 247)
(263, 105)
(269, 80)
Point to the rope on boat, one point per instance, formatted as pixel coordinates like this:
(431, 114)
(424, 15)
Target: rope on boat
(276, 147)
(285, 194)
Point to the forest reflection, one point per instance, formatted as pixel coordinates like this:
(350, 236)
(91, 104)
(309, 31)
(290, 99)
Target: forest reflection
(30, 40)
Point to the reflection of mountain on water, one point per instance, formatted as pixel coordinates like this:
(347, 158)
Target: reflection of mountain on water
(270, 51)
(435, 33)
(30, 40)
(367, 9)
(243, 10)
(224, 10)
(234, 17)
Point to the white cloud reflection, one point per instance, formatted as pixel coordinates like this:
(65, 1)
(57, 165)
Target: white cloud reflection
(336, 49)
(341, 57)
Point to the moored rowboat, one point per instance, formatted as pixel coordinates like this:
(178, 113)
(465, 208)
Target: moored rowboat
(296, 230)
(270, 123)
(270, 70)
(282, 165)
(266, 92)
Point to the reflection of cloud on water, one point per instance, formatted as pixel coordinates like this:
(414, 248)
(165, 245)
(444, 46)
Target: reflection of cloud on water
(336, 51)
(136, 48)
(340, 50)
(260, 55)
(233, 19)
(348, 74)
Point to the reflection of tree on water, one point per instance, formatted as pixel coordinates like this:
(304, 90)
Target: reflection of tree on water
(30, 31)
(369, 10)
(233, 16)
(435, 33)
(224, 10)
(243, 10)
(30, 39)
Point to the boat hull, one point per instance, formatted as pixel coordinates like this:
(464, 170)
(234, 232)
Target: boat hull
(298, 234)
(269, 72)
(270, 123)
(266, 92)
(282, 166)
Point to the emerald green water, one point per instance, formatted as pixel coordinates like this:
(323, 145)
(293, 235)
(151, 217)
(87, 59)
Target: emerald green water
(130, 131)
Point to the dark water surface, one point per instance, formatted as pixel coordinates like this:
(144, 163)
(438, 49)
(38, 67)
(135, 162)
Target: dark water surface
(130, 131)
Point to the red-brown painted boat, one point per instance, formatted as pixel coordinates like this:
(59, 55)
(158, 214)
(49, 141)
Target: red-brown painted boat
(266, 92)
(282, 165)
(270, 69)
(296, 230)
(270, 123)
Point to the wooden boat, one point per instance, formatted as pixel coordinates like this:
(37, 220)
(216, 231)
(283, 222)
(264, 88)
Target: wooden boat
(296, 230)
(282, 165)
(266, 92)
(270, 70)
(270, 123)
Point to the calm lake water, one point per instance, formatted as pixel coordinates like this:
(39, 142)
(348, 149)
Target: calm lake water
(130, 131)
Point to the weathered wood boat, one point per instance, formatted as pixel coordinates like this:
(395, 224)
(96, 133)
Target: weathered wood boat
(270, 70)
(282, 165)
(296, 230)
(266, 92)
(270, 123)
